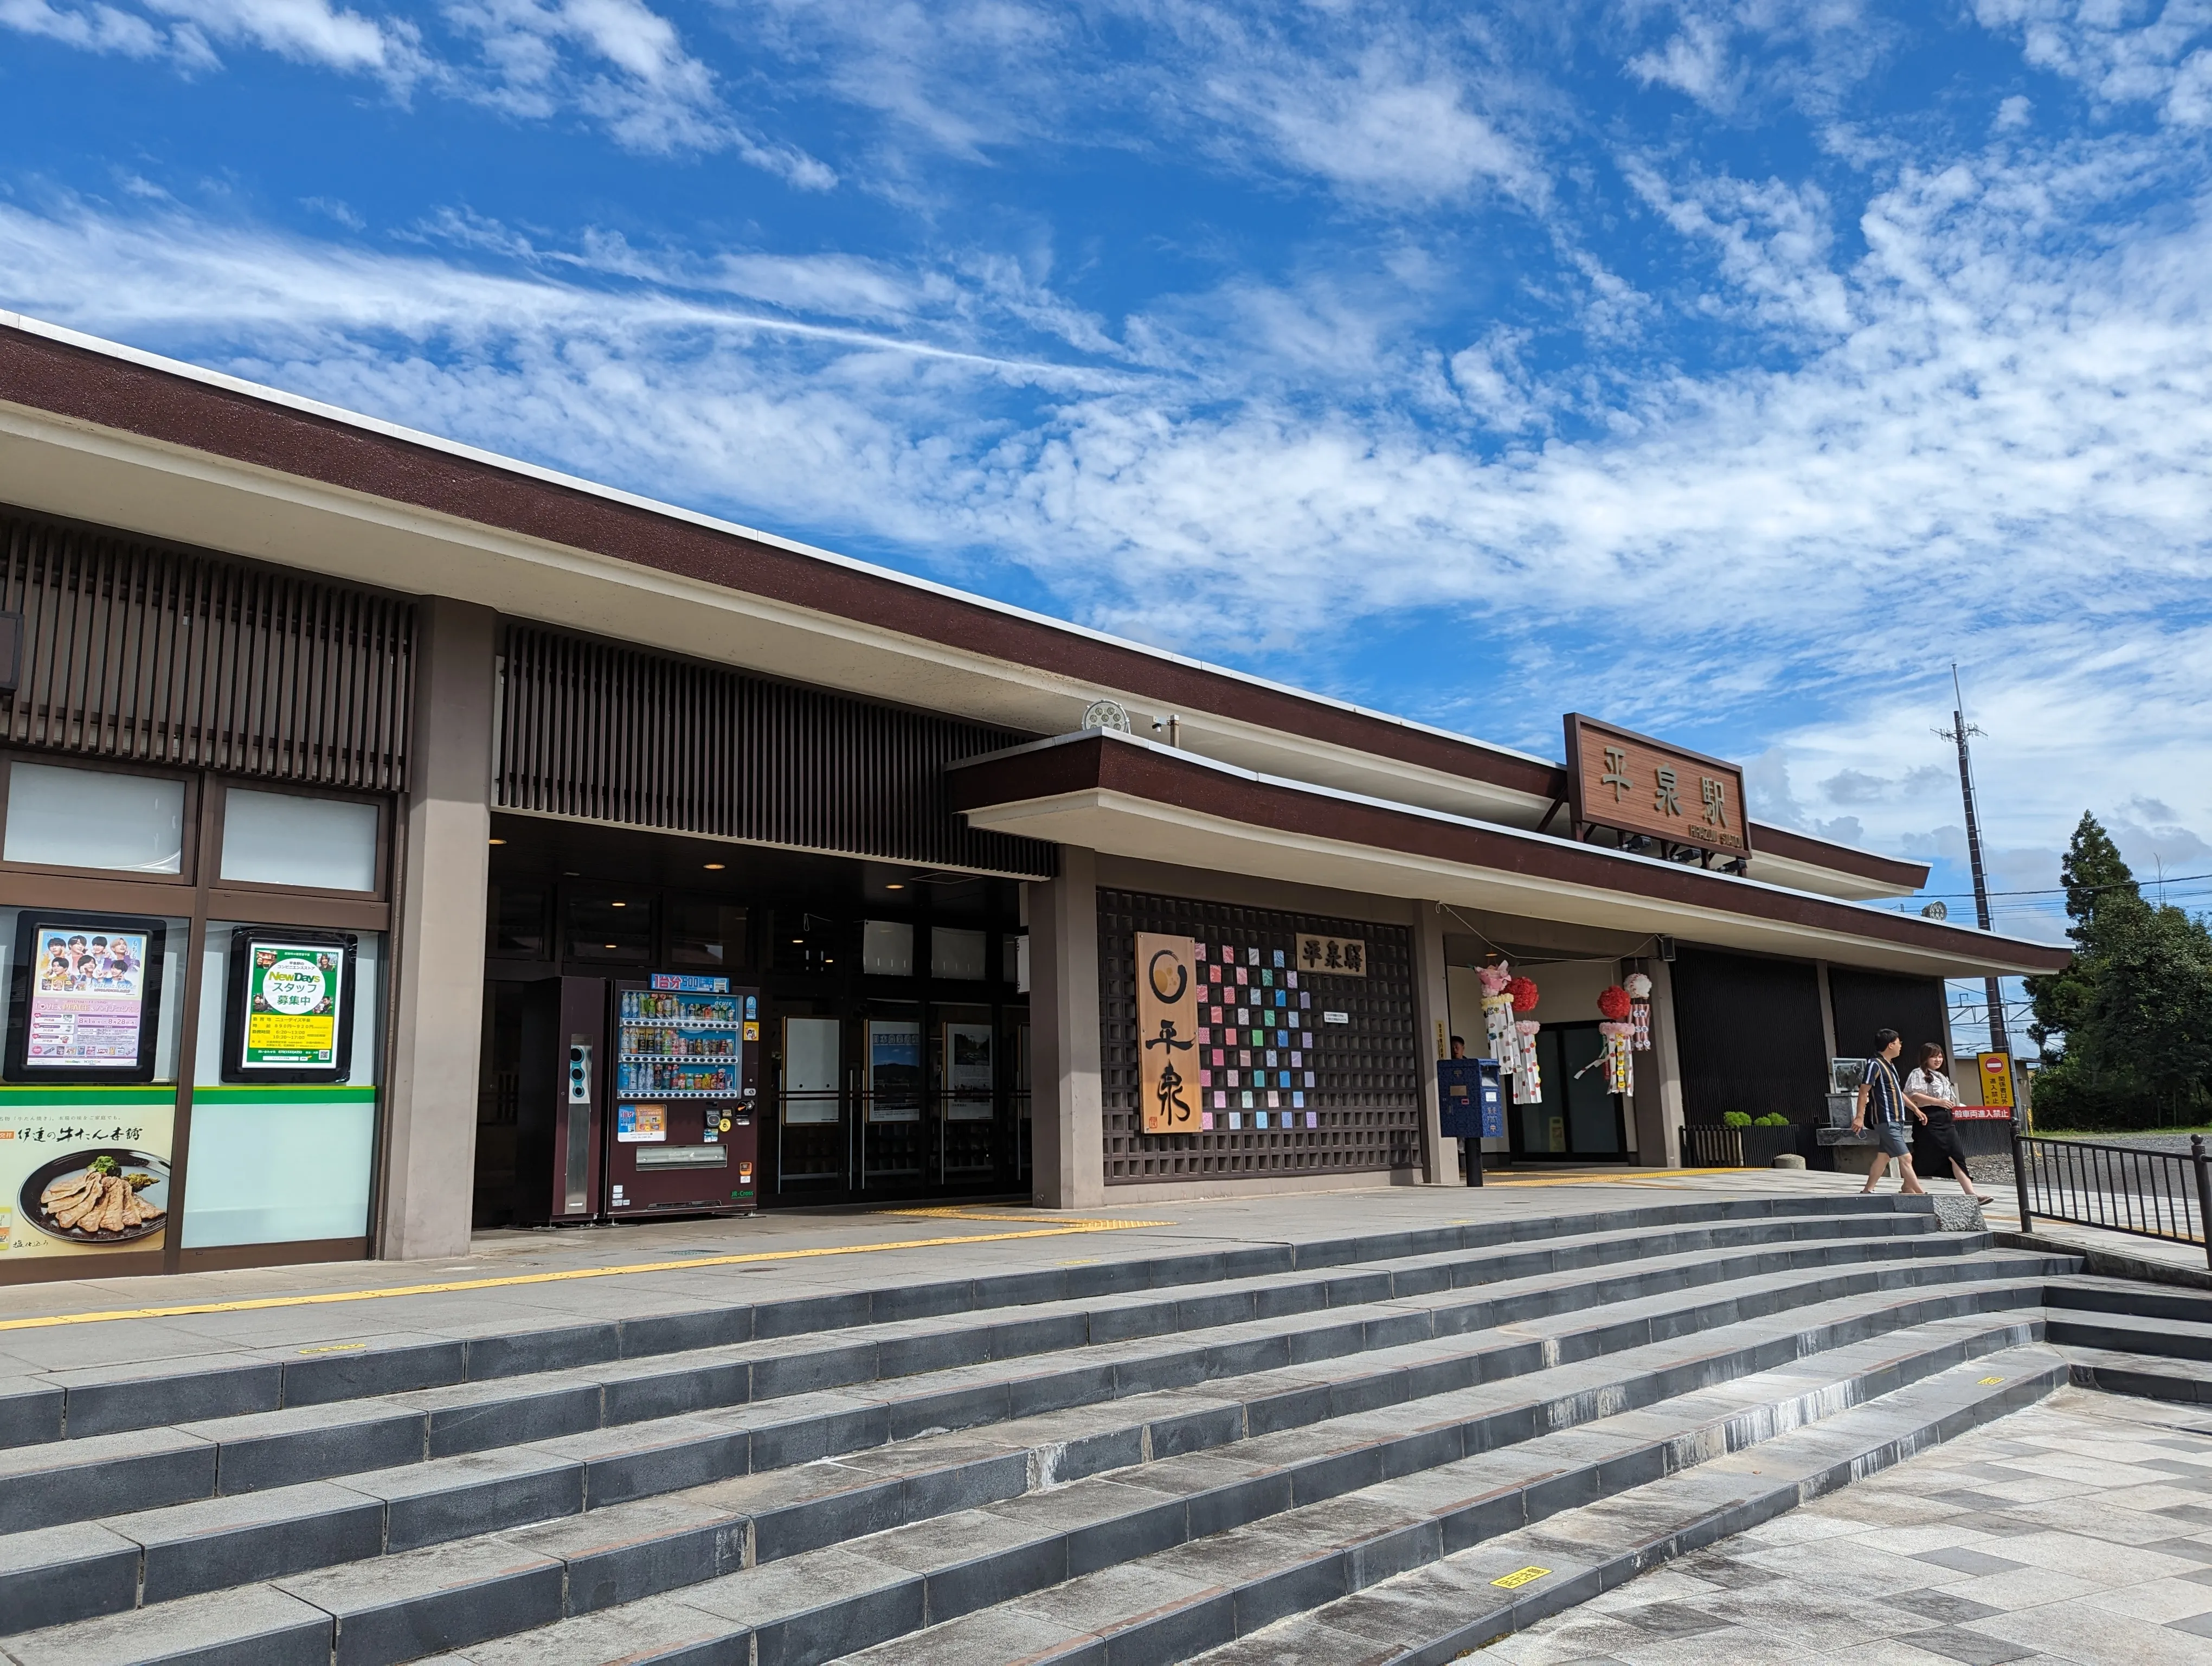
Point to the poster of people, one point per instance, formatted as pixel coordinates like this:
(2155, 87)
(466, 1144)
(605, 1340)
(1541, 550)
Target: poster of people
(89, 1010)
(290, 1010)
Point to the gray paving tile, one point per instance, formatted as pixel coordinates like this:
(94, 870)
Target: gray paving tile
(1962, 1561)
(1973, 1648)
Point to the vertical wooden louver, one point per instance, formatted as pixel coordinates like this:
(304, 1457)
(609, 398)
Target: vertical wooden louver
(609, 733)
(136, 651)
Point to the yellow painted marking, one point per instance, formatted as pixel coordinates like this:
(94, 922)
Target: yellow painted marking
(977, 1214)
(324, 1299)
(335, 1347)
(1520, 1577)
(1984, 1382)
(1634, 1176)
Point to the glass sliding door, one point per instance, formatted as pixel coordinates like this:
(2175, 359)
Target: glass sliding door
(810, 1107)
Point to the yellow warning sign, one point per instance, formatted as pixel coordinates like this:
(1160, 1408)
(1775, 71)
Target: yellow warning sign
(1520, 1577)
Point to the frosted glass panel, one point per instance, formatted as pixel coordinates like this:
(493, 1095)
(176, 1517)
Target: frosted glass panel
(90, 819)
(810, 1056)
(809, 1070)
(281, 839)
(887, 948)
(272, 1172)
(954, 952)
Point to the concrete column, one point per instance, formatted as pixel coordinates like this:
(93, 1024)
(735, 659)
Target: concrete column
(1659, 1078)
(429, 1162)
(1432, 1040)
(1068, 1127)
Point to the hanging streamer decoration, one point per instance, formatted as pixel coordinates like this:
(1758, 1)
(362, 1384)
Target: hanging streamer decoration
(1498, 1015)
(1639, 1008)
(1618, 1034)
(1528, 1078)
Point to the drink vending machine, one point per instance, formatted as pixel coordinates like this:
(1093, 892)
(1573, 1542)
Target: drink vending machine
(683, 1136)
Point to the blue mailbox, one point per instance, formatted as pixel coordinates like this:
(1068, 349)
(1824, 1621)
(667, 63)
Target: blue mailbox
(1472, 1103)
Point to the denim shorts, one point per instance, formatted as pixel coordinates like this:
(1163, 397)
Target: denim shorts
(1892, 1136)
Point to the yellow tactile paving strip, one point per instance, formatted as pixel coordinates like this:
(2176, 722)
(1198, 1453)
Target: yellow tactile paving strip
(327, 1297)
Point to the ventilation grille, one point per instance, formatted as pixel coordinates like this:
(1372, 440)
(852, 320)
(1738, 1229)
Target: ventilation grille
(607, 733)
(139, 652)
(1366, 1097)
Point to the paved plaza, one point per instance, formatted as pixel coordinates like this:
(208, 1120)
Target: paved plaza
(2078, 1531)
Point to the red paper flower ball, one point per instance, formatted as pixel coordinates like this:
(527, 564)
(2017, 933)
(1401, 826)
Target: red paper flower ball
(1613, 1003)
(1523, 991)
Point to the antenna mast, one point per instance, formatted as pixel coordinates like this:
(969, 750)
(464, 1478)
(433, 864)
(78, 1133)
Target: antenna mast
(1992, 988)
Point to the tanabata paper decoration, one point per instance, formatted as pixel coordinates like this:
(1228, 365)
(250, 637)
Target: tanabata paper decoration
(1639, 987)
(1619, 1057)
(1613, 1003)
(1527, 1081)
(1498, 1014)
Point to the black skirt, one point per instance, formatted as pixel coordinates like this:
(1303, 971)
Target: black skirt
(1938, 1140)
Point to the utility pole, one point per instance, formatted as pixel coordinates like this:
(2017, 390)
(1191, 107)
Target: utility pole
(1992, 988)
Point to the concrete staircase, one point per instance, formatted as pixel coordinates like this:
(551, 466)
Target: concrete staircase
(1400, 1444)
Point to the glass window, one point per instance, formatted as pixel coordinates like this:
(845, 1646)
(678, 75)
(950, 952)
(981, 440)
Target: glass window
(887, 948)
(516, 920)
(954, 952)
(94, 818)
(283, 839)
(606, 924)
(706, 934)
(809, 1070)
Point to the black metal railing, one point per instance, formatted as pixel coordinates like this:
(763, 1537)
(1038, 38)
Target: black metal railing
(2123, 1188)
(1708, 1145)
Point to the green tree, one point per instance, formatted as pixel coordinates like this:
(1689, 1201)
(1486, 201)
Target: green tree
(2100, 889)
(2134, 1010)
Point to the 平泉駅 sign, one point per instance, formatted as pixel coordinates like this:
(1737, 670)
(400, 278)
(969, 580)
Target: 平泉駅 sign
(1332, 956)
(1167, 1032)
(1632, 783)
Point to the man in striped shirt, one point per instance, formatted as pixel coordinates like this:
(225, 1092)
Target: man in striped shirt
(1883, 1095)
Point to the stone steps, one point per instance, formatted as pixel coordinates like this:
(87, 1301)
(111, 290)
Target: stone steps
(1098, 1352)
(1302, 1435)
(1457, 1603)
(261, 1534)
(800, 1342)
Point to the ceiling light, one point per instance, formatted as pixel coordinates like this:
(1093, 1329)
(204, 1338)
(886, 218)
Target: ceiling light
(617, 905)
(499, 841)
(606, 946)
(713, 867)
(894, 886)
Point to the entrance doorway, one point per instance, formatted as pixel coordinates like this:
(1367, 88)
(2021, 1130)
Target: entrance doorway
(1577, 1120)
(893, 1035)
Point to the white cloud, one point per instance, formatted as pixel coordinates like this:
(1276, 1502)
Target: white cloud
(1773, 240)
(1695, 61)
(2159, 54)
(95, 28)
(1386, 129)
(308, 31)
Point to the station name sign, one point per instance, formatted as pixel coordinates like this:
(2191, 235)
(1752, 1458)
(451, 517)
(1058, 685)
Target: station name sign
(1632, 783)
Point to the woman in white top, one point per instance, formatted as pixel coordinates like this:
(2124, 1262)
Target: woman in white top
(1928, 1088)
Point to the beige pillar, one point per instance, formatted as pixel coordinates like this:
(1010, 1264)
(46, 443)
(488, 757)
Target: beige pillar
(1431, 1020)
(1068, 1130)
(429, 1159)
(1659, 1078)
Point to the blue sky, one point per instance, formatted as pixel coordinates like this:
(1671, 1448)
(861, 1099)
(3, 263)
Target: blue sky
(1725, 369)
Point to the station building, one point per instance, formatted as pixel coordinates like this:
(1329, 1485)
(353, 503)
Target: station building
(401, 840)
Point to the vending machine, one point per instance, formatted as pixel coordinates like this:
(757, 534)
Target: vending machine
(683, 1136)
(559, 1121)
